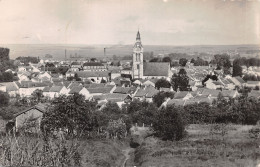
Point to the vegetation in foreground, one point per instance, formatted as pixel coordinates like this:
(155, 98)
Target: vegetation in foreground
(205, 145)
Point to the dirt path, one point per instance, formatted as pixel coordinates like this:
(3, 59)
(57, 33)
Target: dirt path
(126, 153)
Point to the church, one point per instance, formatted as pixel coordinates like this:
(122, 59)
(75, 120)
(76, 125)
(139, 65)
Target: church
(147, 70)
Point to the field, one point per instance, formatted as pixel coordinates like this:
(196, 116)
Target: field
(205, 145)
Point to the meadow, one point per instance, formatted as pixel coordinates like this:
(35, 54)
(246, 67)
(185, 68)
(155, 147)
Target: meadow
(217, 145)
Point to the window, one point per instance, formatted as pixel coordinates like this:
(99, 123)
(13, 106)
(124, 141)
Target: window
(137, 66)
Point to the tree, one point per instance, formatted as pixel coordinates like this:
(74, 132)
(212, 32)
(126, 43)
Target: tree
(223, 62)
(183, 61)
(237, 70)
(166, 59)
(73, 115)
(4, 98)
(162, 83)
(192, 60)
(6, 77)
(169, 123)
(160, 97)
(155, 60)
(37, 95)
(180, 81)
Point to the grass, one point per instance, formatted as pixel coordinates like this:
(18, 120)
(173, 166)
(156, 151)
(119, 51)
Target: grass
(33, 151)
(205, 145)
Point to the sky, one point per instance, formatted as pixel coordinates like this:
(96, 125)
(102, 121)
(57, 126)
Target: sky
(160, 22)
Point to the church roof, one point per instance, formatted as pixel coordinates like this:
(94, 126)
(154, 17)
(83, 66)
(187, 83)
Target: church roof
(138, 36)
(156, 68)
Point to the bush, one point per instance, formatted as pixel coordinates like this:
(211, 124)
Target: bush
(170, 124)
(4, 98)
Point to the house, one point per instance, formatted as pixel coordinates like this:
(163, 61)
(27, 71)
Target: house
(44, 76)
(238, 81)
(11, 88)
(70, 73)
(254, 94)
(94, 66)
(176, 102)
(28, 87)
(94, 76)
(25, 68)
(80, 90)
(252, 84)
(99, 89)
(125, 90)
(56, 91)
(119, 99)
(146, 94)
(212, 93)
(229, 93)
(30, 118)
(24, 75)
(75, 66)
(227, 83)
(115, 74)
(210, 84)
(183, 95)
(150, 82)
(2, 88)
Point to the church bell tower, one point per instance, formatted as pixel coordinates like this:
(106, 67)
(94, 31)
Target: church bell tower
(137, 58)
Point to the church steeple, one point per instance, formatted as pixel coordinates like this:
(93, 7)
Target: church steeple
(137, 58)
(138, 38)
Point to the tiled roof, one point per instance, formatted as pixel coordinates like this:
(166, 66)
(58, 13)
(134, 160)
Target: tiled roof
(111, 96)
(40, 107)
(240, 80)
(125, 90)
(46, 89)
(217, 83)
(86, 74)
(212, 92)
(180, 95)
(56, 88)
(93, 64)
(99, 90)
(147, 92)
(253, 82)
(10, 86)
(254, 93)
(228, 93)
(76, 63)
(75, 89)
(176, 102)
(156, 68)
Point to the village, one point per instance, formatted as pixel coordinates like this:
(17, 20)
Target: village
(138, 79)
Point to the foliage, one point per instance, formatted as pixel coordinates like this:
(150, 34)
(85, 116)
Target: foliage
(183, 61)
(72, 115)
(166, 59)
(223, 62)
(162, 83)
(37, 95)
(180, 81)
(249, 77)
(160, 97)
(170, 124)
(237, 70)
(213, 77)
(6, 77)
(4, 98)
(200, 62)
(243, 61)
(26, 60)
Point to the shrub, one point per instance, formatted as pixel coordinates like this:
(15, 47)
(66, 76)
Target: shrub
(170, 124)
